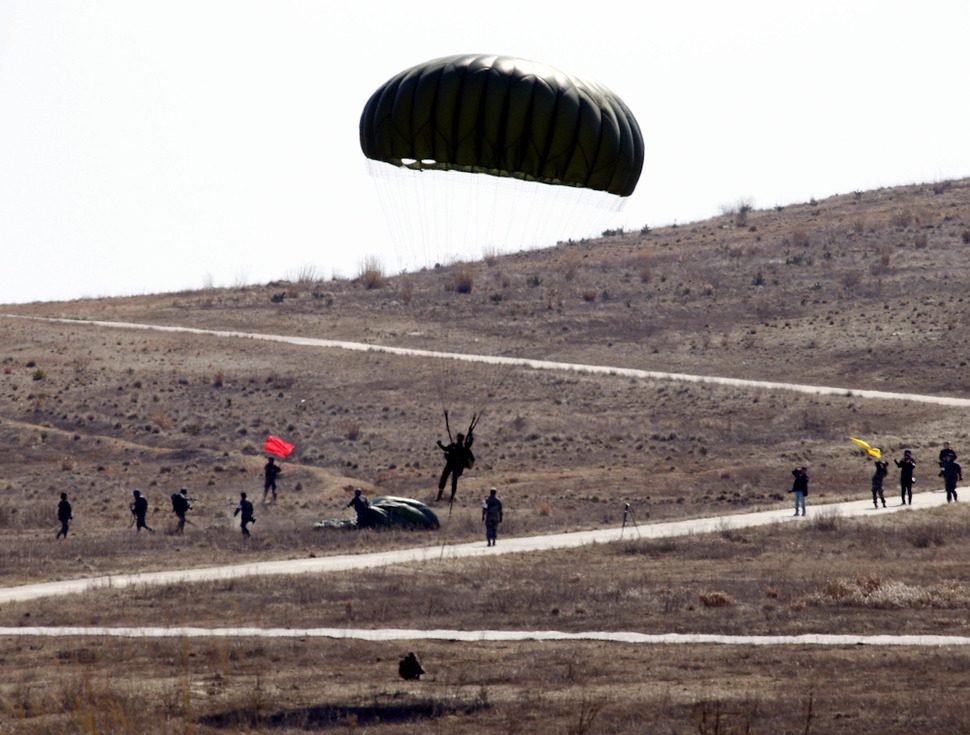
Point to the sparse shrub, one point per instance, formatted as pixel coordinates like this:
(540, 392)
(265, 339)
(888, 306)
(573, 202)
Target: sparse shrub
(219, 379)
(759, 280)
(534, 281)
(464, 279)
(965, 236)
(799, 238)
(407, 292)
(645, 230)
(644, 266)
(371, 273)
(589, 295)
(192, 429)
(613, 233)
(496, 298)
(39, 374)
(716, 599)
(827, 520)
(921, 241)
(350, 429)
(278, 298)
(901, 218)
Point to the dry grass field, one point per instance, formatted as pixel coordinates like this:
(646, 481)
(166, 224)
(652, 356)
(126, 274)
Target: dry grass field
(859, 291)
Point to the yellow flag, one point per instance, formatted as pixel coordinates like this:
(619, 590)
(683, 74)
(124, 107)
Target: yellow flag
(872, 450)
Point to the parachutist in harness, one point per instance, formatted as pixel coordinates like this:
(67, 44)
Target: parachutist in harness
(458, 457)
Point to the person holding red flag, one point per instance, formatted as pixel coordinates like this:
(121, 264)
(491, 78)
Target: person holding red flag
(272, 470)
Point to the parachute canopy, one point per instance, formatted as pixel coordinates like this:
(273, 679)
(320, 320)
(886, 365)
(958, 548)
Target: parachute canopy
(506, 117)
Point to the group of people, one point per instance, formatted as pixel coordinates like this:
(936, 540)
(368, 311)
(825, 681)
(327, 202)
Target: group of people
(950, 471)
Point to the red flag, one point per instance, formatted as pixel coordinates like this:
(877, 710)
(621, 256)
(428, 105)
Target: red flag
(278, 447)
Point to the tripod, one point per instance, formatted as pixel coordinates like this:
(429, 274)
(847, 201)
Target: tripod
(628, 512)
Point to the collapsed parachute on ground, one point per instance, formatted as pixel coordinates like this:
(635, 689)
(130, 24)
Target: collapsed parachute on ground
(505, 118)
(388, 511)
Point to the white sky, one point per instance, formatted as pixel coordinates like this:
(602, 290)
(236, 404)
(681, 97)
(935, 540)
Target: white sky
(148, 147)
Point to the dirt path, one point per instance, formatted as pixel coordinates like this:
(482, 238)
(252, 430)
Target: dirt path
(522, 362)
(431, 554)
(474, 636)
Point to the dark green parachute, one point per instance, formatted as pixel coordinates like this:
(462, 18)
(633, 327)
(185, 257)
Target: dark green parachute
(504, 116)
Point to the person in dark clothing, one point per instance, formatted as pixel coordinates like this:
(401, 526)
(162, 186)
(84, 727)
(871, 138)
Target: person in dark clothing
(951, 474)
(246, 508)
(270, 472)
(491, 516)
(64, 515)
(947, 454)
(906, 467)
(800, 488)
(139, 507)
(882, 469)
(458, 458)
(180, 506)
(360, 506)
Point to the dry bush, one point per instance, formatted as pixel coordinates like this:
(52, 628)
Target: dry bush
(965, 236)
(568, 266)
(645, 268)
(371, 274)
(407, 291)
(350, 429)
(902, 218)
(716, 599)
(873, 592)
(589, 295)
(464, 278)
(800, 238)
(920, 241)
(219, 379)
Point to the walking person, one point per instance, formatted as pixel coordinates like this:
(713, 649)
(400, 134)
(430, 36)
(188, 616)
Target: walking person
(180, 506)
(491, 516)
(882, 469)
(246, 508)
(139, 507)
(906, 467)
(270, 472)
(800, 488)
(64, 515)
(951, 474)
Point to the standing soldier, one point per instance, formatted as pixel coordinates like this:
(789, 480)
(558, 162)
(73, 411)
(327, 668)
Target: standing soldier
(139, 507)
(877, 478)
(246, 508)
(180, 506)
(64, 515)
(906, 467)
(458, 458)
(271, 471)
(360, 505)
(951, 473)
(491, 516)
(947, 454)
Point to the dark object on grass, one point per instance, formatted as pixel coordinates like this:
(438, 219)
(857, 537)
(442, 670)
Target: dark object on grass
(410, 667)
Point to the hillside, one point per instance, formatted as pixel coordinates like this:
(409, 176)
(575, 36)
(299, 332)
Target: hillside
(861, 291)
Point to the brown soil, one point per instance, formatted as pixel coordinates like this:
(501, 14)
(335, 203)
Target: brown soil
(861, 291)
